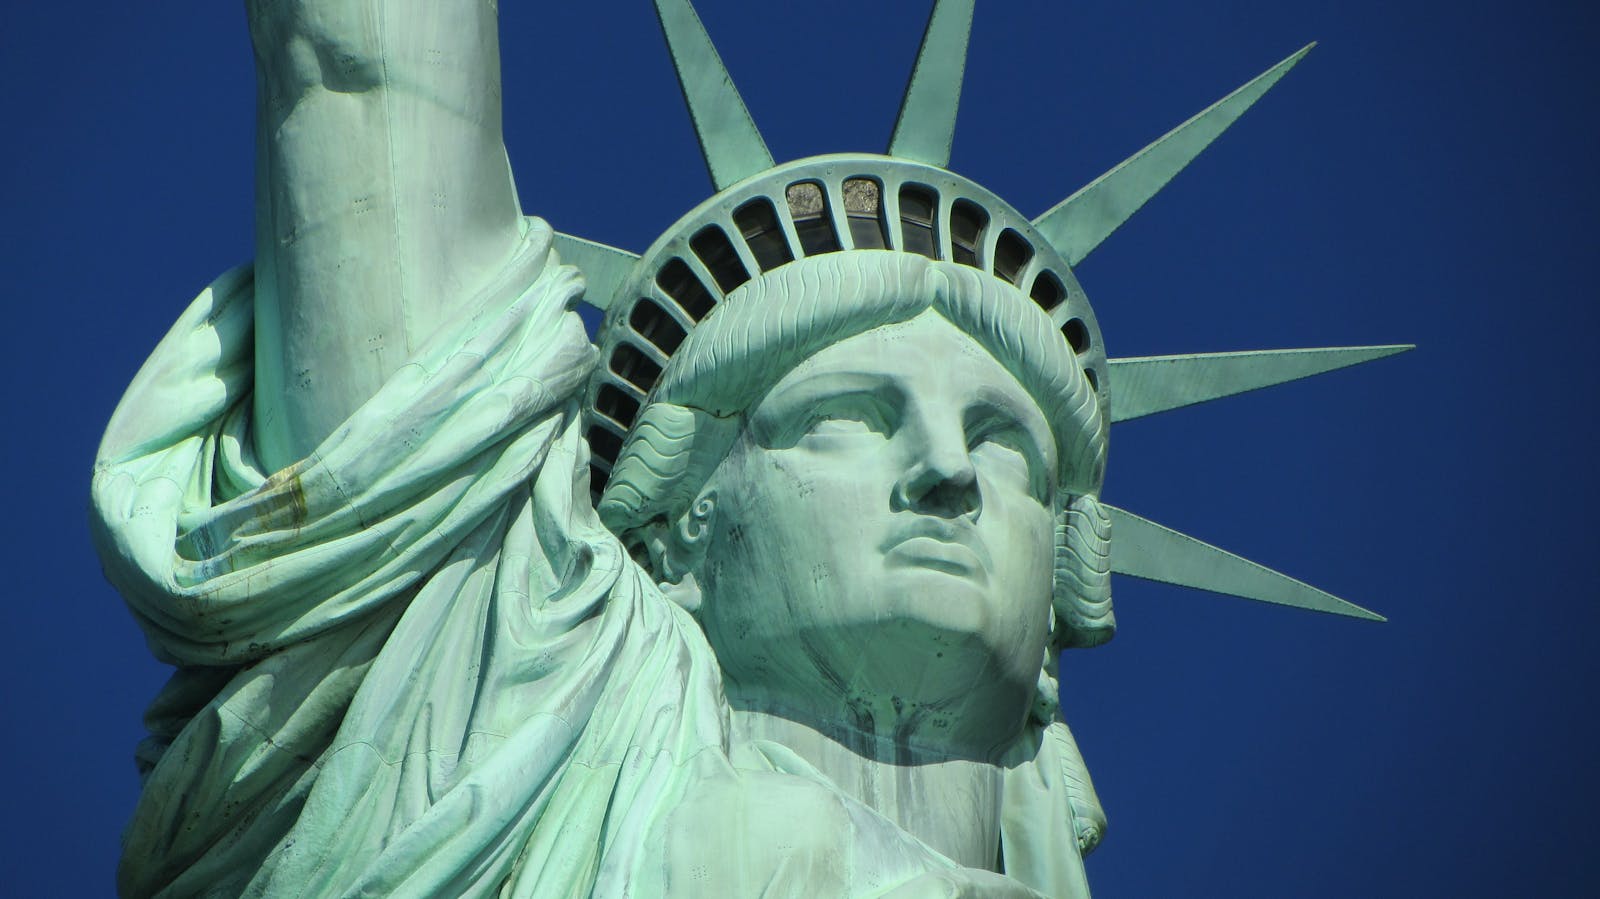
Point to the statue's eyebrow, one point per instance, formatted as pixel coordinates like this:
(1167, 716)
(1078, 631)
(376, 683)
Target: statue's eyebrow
(826, 385)
(784, 407)
(1019, 409)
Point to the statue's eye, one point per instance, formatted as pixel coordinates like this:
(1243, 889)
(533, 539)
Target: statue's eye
(1007, 455)
(847, 416)
(826, 426)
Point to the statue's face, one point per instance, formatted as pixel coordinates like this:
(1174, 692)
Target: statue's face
(881, 545)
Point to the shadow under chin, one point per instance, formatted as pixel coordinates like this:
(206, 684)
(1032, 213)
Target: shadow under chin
(907, 691)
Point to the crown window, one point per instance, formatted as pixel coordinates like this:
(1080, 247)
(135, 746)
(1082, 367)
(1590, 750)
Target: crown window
(606, 444)
(634, 367)
(654, 324)
(1077, 335)
(918, 213)
(808, 206)
(758, 225)
(678, 281)
(616, 405)
(1011, 254)
(720, 258)
(967, 221)
(1047, 291)
(863, 207)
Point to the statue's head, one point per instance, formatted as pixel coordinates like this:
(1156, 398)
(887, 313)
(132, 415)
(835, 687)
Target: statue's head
(852, 411)
(863, 448)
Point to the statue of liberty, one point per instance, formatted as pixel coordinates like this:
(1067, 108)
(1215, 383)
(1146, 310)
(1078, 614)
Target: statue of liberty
(761, 592)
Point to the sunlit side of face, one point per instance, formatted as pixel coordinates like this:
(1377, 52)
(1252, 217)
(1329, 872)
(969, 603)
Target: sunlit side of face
(882, 539)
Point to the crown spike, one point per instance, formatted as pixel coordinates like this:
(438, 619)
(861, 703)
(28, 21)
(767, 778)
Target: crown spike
(1078, 224)
(1143, 549)
(926, 126)
(605, 268)
(1146, 385)
(732, 146)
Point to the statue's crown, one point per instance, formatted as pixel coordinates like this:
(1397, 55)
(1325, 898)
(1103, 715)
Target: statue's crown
(812, 207)
(764, 216)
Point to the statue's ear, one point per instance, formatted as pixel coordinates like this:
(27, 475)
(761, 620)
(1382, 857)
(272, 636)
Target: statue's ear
(678, 549)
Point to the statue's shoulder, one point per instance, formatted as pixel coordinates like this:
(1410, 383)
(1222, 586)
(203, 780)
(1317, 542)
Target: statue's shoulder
(740, 832)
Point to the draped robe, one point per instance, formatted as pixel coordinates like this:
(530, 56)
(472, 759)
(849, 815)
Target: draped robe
(416, 663)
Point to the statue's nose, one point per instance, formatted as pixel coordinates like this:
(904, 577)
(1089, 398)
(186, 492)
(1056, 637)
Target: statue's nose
(940, 479)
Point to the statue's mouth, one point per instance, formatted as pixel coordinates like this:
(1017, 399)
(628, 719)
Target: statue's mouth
(939, 545)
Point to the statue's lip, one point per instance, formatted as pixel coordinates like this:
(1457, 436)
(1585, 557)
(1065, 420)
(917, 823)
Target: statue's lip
(940, 545)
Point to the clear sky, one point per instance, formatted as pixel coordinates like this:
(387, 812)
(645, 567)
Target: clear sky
(1425, 176)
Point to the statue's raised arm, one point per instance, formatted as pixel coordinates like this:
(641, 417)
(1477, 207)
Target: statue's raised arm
(304, 490)
(384, 200)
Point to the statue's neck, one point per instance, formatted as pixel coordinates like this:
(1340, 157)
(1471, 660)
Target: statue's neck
(950, 803)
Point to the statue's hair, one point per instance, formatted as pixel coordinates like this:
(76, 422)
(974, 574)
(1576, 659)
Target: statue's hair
(771, 324)
(1082, 596)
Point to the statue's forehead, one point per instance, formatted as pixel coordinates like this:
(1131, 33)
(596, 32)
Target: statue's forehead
(925, 349)
(925, 361)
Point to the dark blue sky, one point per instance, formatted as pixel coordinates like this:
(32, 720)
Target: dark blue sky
(1427, 176)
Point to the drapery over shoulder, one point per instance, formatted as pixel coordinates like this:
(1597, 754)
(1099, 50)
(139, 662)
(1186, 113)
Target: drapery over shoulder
(397, 658)
(414, 663)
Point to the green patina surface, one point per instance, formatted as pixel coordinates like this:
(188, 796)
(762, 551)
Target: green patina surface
(762, 593)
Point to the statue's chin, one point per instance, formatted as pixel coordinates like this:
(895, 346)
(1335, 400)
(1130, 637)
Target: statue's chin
(958, 633)
(928, 680)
